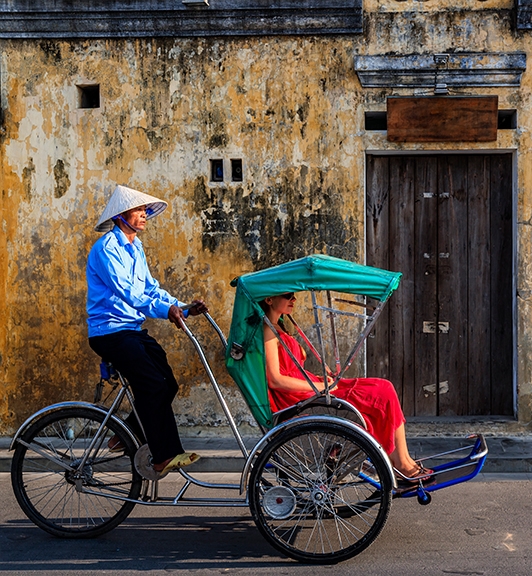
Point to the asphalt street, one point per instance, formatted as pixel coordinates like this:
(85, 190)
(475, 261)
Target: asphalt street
(481, 527)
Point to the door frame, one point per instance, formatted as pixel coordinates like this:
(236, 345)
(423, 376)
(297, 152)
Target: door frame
(448, 152)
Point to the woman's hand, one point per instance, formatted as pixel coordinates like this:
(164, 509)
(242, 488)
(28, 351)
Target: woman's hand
(330, 381)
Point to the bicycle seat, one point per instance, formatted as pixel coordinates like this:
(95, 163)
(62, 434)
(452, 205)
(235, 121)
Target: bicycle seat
(107, 370)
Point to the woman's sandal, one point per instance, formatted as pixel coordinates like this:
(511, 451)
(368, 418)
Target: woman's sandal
(179, 461)
(420, 475)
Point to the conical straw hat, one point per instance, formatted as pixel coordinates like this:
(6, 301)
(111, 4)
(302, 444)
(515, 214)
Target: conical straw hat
(124, 199)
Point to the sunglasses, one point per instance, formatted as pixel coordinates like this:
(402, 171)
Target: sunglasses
(288, 296)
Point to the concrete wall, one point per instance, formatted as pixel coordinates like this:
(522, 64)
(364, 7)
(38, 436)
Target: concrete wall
(292, 108)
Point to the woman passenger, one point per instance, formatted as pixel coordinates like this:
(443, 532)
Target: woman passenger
(375, 398)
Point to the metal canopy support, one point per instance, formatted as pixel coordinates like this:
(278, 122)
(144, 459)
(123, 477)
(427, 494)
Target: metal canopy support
(319, 352)
(289, 352)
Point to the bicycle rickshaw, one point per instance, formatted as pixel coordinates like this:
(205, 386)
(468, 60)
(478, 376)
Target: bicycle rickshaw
(319, 487)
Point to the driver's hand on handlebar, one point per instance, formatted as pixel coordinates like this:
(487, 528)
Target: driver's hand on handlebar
(197, 307)
(176, 315)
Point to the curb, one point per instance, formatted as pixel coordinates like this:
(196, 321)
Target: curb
(507, 455)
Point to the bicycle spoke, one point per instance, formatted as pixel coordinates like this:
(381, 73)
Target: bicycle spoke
(324, 507)
(53, 474)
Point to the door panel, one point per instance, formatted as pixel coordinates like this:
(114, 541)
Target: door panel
(445, 221)
(451, 338)
(425, 288)
(479, 292)
(502, 332)
(377, 223)
(402, 309)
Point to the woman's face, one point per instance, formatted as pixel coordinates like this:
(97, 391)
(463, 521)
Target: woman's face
(282, 304)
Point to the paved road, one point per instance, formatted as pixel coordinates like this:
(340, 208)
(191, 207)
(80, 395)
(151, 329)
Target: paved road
(482, 528)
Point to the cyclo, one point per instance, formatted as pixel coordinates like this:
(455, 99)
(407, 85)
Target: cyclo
(318, 485)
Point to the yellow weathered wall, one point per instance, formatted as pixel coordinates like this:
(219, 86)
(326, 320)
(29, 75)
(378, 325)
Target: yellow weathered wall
(291, 108)
(167, 108)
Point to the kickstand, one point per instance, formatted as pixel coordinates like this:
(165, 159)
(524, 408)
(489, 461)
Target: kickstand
(154, 490)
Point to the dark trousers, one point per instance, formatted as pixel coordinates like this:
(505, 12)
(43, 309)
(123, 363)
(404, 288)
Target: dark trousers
(142, 361)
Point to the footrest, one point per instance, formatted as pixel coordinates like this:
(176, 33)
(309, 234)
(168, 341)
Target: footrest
(450, 473)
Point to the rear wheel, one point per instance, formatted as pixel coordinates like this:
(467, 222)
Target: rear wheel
(59, 495)
(320, 492)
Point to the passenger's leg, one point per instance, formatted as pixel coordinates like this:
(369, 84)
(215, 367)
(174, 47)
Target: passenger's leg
(400, 457)
(378, 402)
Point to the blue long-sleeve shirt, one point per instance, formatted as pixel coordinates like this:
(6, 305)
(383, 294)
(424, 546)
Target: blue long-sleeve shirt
(121, 290)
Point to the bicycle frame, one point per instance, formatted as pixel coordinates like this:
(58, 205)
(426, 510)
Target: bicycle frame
(180, 499)
(477, 455)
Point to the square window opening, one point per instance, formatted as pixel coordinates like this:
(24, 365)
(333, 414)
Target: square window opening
(236, 170)
(375, 121)
(507, 120)
(89, 96)
(217, 170)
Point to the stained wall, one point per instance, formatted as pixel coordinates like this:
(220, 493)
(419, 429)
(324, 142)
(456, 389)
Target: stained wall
(292, 108)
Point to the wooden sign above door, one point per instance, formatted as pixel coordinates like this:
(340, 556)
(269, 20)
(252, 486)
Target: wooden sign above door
(442, 118)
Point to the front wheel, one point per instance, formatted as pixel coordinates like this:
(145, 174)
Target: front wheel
(60, 495)
(320, 492)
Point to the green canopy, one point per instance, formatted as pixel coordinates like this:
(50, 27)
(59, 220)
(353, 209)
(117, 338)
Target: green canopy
(245, 359)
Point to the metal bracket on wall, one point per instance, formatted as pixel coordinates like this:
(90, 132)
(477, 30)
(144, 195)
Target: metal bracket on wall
(196, 3)
(430, 327)
(436, 195)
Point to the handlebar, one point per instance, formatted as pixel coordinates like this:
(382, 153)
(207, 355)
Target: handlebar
(215, 326)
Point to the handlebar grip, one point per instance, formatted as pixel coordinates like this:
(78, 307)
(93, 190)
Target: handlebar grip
(189, 306)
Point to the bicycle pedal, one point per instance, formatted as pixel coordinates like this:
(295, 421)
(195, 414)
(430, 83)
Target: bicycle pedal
(143, 463)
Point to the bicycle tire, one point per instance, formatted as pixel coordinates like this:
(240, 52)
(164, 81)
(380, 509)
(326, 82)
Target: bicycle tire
(320, 492)
(51, 488)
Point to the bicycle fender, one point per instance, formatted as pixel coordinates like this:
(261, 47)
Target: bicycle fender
(308, 419)
(62, 406)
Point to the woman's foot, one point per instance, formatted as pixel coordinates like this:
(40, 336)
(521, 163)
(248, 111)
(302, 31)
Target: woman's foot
(415, 474)
(179, 461)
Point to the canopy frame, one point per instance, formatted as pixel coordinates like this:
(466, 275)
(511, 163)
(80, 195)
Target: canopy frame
(331, 312)
(318, 273)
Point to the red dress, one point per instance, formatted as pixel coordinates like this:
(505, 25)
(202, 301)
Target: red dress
(375, 398)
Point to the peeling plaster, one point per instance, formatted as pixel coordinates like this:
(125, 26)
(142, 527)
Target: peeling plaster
(291, 108)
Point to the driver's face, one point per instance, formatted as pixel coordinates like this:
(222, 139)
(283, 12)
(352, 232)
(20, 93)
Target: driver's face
(136, 217)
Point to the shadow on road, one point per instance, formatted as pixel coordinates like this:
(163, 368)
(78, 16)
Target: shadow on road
(184, 543)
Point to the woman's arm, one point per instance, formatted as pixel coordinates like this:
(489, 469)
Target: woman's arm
(276, 380)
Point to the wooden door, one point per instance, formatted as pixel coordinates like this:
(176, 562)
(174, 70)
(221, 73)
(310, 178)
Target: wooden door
(447, 338)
